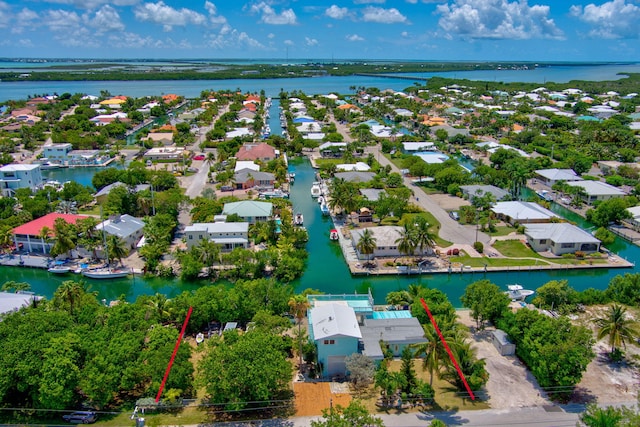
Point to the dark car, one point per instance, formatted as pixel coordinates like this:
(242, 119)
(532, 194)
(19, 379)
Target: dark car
(226, 188)
(81, 417)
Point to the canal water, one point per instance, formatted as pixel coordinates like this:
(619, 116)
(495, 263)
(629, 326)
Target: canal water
(328, 272)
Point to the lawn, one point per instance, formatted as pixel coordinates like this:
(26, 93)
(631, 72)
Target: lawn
(517, 249)
(493, 262)
(434, 227)
(501, 230)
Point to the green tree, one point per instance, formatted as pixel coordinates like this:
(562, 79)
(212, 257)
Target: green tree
(298, 305)
(407, 240)
(361, 370)
(595, 416)
(608, 211)
(486, 301)
(64, 242)
(605, 236)
(15, 286)
(616, 326)
(258, 357)
(354, 415)
(116, 247)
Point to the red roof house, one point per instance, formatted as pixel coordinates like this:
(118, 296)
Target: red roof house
(28, 235)
(261, 151)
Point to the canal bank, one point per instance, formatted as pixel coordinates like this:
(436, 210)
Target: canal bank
(327, 270)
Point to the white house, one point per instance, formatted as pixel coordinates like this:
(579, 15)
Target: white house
(386, 238)
(356, 167)
(517, 212)
(58, 153)
(411, 147)
(560, 238)
(164, 153)
(229, 235)
(14, 176)
(634, 221)
(126, 227)
(550, 177)
(597, 190)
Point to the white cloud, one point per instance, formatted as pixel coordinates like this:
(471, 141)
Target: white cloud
(404, 34)
(92, 4)
(289, 42)
(368, 1)
(337, 12)
(497, 19)
(612, 20)
(106, 19)
(167, 16)
(269, 15)
(62, 20)
(228, 37)
(383, 16)
(271, 36)
(310, 41)
(214, 18)
(354, 38)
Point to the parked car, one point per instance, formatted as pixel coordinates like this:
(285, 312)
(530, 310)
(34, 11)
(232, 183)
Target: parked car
(226, 188)
(454, 215)
(81, 417)
(198, 157)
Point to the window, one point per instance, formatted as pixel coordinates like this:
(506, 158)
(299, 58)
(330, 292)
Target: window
(543, 241)
(329, 342)
(190, 237)
(567, 245)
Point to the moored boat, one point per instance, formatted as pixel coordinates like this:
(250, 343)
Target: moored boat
(518, 293)
(59, 269)
(545, 195)
(298, 219)
(333, 234)
(316, 191)
(106, 273)
(325, 209)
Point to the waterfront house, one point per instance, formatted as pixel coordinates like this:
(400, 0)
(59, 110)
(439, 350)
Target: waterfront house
(413, 147)
(560, 238)
(471, 191)
(633, 222)
(355, 176)
(128, 228)
(229, 235)
(160, 138)
(249, 178)
(246, 164)
(357, 167)
(172, 153)
(386, 238)
(517, 212)
(262, 151)
(250, 211)
(86, 158)
(238, 133)
(597, 191)
(14, 176)
(396, 332)
(27, 236)
(12, 302)
(371, 194)
(332, 149)
(58, 153)
(550, 177)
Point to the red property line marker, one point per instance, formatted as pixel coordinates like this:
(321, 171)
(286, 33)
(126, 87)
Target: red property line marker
(446, 347)
(173, 356)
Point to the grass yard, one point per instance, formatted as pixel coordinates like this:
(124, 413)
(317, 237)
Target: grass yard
(517, 249)
(494, 262)
(434, 227)
(501, 230)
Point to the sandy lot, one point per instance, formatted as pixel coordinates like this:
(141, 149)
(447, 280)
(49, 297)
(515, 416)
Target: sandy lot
(510, 384)
(312, 398)
(448, 202)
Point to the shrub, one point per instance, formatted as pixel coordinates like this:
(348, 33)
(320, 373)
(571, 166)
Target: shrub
(579, 254)
(478, 246)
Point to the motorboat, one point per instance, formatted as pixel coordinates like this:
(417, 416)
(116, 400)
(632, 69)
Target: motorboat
(325, 209)
(106, 273)
(47, 165)
(59, 269)
(320, 200)
(333, 234)
(316, 191)
(518, 293)
(274, 194)
(545, 195)
(298, 219)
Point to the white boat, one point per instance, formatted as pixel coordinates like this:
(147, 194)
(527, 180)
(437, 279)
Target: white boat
(325, 209)
(316, 191)
(274, 194)
(46, 165)
(106, 273)
(59, 269)
(320, 200)
(545, 195)
(298, 219)
(518, 293)
(333, 234)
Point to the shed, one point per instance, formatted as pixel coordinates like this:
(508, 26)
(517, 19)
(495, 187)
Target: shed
(502, 342)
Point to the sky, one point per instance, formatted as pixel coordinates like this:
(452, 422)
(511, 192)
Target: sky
(429, 30)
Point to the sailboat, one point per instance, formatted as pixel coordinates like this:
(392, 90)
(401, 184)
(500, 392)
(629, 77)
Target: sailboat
(106, 272)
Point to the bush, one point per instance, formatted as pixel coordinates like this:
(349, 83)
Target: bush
(579, 254)
(479, 247)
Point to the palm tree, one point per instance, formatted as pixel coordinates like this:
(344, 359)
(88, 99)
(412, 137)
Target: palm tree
(70, 293)
(45, 237)
(407, 240)
(15, 286)
(158, 305)
(299, 306)
(423, 236)
(367, 243)
(617, 326)
(64, 238)
(6, 238)
(90, 238)
(116, 248)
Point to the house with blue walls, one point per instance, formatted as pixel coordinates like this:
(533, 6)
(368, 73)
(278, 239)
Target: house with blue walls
(341, 325)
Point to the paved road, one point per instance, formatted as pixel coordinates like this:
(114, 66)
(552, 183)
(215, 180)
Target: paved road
(450, 229)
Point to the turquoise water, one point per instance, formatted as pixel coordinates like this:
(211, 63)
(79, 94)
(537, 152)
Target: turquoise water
(312, 85)
(328, 272)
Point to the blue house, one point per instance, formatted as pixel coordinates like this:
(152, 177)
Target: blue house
(335, 330)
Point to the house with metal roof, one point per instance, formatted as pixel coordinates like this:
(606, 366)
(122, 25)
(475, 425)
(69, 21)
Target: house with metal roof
(249, 178)
(10, 302)
(517, 212)
(396, 333)
(355, 176)
(550, 177)
(412, 147)
(560, 238)
(386, 238)
(597, 191)
(229, 235)
(28, 235)
(101, 196)
(251, 211)
(471, 191)
(126, 227)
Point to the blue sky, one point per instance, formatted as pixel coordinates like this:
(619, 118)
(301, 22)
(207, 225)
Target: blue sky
(499, 30)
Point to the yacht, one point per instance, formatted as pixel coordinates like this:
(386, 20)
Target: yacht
(106, 273)
(518, 293)
(316, 191)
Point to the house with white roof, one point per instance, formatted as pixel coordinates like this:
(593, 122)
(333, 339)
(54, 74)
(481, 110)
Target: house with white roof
(517, 212)
(14, 176)
(634, 221)
(387, 240)
(471, 191)
(358, 166)
(246, 164)
(58, 153)
(550, 177)
(597, 191)
(229, 235)
(412, 147)
(128, 228)
(560, 238)
(251, 211)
